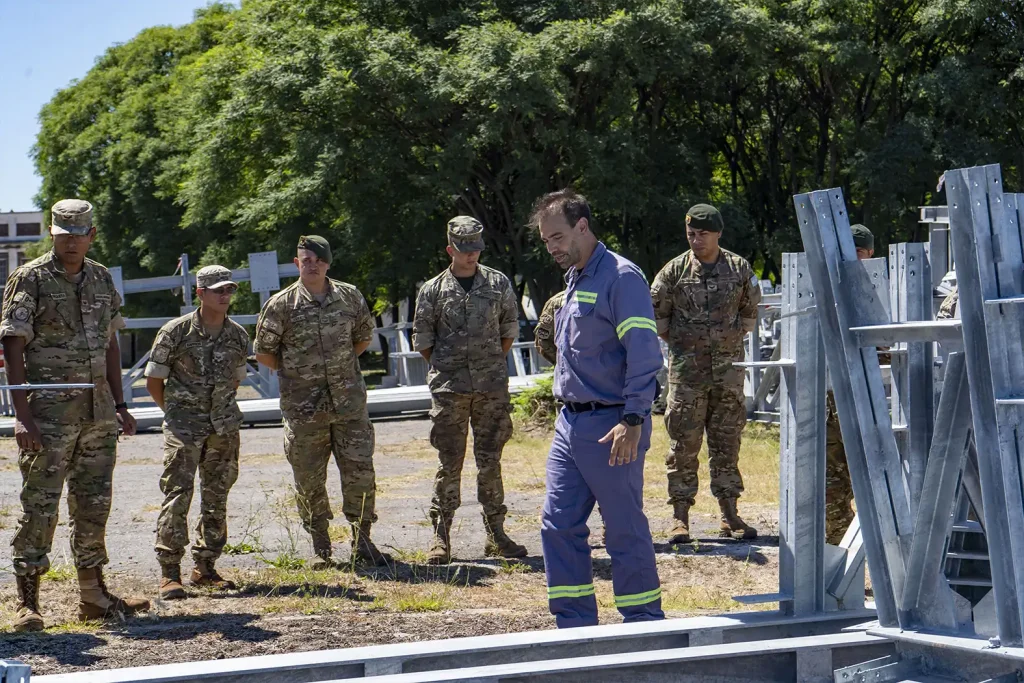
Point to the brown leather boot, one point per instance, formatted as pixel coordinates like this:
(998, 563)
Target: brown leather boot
(29, 618)
(732, 525)
(204, 574)
(498, 543)
(363, 548)
(441, 549)
(170, 582)
(98, 603)
(681, 531)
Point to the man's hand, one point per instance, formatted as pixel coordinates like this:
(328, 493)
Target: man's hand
(126, 422)
(27, 434)
(625, 443)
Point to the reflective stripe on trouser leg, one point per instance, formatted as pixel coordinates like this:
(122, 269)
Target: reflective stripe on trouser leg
(619, 491)
(563, 535)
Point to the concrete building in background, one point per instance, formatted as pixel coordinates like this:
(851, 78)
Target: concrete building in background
(18, 229)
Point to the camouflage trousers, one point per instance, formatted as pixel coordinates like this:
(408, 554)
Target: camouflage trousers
(838, 487)
(452, 415)
(660, 404)
(82, 453)
(718, 410)
(308, 445)
(216, 458)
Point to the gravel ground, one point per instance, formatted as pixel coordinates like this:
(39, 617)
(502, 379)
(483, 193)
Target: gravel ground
(282, 606)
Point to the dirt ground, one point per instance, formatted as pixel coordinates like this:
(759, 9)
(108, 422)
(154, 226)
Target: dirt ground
(285, 604)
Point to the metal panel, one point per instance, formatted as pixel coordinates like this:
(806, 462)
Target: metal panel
(927, 600)
(115, 273)
(802, 458)
(978, 247)
(912, 393)
(263, 273)
(852, 293)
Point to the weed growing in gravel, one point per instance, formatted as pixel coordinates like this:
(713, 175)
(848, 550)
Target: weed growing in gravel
(241, 549)
(507, 567)
(339, 533)
(285, 560)
(61, 572)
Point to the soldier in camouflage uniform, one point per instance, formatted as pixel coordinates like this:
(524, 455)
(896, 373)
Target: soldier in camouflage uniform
(838, 485)
(544, 341)
(61, 314)
(466, 321)
(312, 333)
(705, 301)
(544, 333)
(194, 369)
(948, 308)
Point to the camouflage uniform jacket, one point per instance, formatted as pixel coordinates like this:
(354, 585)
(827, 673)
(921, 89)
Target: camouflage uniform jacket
(200, 396)
(947, 310)
(318, 367)
(544, 333)
(465, 330)
(705, 311)
(66, 327)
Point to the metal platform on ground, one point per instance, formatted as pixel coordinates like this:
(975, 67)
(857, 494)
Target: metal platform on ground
(381, 402)
(760, 643)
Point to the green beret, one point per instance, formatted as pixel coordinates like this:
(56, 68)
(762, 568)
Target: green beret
(862, 237)
(704, 217)
(318, 245)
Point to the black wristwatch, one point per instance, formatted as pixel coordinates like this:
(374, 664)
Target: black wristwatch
(633, 420)
(120, 406)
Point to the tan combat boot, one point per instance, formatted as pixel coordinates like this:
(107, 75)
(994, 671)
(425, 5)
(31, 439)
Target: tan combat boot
(732, 524)
(681, 531)
(498, 543)
(204, 575)
(322, 547)
(441, 548)
(170, 582)
(363, 548)
(98, 603)
(29, 618)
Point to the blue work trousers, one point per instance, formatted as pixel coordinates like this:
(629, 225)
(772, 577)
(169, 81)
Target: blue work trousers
(578, 475)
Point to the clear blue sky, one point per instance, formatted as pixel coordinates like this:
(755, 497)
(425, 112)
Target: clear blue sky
(44, 45)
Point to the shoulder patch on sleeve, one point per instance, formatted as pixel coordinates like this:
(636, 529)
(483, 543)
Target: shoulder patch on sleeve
(754, 281)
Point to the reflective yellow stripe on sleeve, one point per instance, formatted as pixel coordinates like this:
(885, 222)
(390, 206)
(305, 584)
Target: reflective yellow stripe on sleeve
(639, 323)
(586, 297)
(570, 591)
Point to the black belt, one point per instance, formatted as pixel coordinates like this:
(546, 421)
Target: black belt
(593, 405)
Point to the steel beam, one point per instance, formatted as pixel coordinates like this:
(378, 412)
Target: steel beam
(617, 640)
(852, 293)
(808, 660)
(986, 245)
(927, 601)
(802, 454)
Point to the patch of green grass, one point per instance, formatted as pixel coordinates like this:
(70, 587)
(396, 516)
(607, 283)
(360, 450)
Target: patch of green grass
(241, 549)
(507, 567)
(415, 556)
(339, 533)
(61, 572)
(285, 560)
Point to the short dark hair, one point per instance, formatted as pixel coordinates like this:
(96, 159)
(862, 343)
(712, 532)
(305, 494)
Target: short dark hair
(573, 206)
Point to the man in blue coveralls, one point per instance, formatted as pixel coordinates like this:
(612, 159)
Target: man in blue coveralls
(608, 357)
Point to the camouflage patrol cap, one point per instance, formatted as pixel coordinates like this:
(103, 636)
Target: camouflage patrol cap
(71, 217)
(862, 237)
(704, 217)
(318, 245)
(466, 233)
(214, 277)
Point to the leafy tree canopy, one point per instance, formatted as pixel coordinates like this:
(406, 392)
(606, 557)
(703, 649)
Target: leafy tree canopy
(373, 122)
